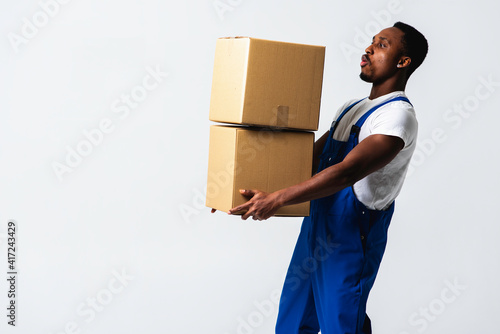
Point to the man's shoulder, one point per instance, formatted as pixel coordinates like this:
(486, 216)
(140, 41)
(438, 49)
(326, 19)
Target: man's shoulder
(396, 103)
(382, 103)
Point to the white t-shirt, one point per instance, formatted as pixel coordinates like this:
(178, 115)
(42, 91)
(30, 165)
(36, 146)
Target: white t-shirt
(379, 189)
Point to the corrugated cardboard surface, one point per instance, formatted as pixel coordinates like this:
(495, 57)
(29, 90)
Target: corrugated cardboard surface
(267, 83)
(249, 158)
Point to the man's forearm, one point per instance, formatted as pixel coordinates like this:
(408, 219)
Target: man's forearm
(365, 158)
(325, 183)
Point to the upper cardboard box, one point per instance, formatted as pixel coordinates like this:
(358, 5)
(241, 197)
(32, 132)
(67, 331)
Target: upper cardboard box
(266, 83)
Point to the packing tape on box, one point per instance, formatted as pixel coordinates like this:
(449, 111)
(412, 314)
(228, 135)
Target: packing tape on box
(281, 114)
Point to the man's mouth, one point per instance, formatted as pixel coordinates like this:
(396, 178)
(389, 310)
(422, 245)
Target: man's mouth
(364, 60)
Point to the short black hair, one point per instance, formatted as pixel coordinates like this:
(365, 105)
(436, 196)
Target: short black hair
(414, 45)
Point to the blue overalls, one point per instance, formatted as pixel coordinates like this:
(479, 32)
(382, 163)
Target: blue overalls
(337, 255)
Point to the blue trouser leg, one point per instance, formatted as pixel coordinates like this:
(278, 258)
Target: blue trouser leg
(337, 281)
(333, 269)
(297, 312)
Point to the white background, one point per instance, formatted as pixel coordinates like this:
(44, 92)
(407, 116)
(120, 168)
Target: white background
(134, 204)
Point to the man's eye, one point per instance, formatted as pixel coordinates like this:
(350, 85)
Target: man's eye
(382, 45)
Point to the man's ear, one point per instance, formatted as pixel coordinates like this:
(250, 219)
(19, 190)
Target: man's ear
(404, 62)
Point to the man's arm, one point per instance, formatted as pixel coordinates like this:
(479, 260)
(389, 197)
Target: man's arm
(371, 154)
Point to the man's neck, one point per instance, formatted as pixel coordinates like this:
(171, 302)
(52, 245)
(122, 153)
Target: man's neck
(386, 87)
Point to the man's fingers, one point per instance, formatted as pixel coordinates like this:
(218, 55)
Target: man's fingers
(247, 192)
(239, 208)
(213, 210)
(245, 215)
(249, 205)
(250, 213)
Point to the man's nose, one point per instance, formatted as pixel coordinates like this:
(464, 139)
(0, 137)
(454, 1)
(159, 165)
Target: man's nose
(369, 49)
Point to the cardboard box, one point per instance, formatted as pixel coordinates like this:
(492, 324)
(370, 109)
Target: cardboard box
(266, 83)
(252, 158)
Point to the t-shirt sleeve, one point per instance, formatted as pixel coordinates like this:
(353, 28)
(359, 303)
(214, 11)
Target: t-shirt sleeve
(395, 119)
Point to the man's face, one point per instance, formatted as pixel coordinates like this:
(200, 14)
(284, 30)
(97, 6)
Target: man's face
(382, 56)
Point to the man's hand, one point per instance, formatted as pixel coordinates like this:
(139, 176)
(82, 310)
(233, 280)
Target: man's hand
(261, 205)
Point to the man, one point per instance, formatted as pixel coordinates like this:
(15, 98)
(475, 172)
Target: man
(362, 162)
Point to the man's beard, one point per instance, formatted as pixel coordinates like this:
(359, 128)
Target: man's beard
(364, 77)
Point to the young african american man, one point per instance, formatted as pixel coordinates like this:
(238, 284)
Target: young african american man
(361, 164)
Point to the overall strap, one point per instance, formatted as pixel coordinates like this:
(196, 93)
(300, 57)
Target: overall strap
(336, 122)
(356, 127)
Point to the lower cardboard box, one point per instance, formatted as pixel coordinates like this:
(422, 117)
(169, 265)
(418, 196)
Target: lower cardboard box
(256, 158)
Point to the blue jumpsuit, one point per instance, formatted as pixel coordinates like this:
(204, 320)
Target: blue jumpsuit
(337, 255)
